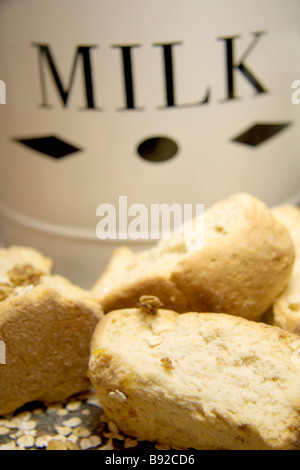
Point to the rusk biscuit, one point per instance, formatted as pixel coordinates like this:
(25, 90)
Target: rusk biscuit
(46, 325)
(286, 309)
(244, 264)
(204, 381)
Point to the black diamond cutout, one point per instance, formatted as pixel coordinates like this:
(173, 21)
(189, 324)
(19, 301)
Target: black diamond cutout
(50, 145)
(259, 133)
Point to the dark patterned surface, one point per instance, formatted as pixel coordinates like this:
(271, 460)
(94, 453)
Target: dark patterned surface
(77, 424)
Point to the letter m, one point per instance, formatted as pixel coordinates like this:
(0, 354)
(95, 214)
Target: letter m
(46, 59)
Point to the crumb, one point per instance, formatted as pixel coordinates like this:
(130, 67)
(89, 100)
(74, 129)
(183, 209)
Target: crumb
(38, 412)
(119, 396)
(73, 405)
(72, 422)
(27, 425)
(89, 443)
(14, 423)
(161, 446)
(113, 427)
(130, 443)
(62, 412)
(114, 432)
(94, 401)
(25, 441)
(154, 341)
(4, 430)
(24, 275)
(81, 431)
(149, 304)
(24, 415)
(57, 444)
(5, 291)
(95, 440)
(9, 446)
(43, 441)
(167, 363)
(64, 430)
(71, 445)
(108, 445)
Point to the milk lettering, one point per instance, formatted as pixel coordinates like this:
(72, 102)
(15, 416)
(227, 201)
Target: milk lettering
(47, 64)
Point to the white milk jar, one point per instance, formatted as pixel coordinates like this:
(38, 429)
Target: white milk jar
(108, 106)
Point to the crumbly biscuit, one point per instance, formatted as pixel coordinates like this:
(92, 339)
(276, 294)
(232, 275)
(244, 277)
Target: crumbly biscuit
(198, 380)
(244, 264)
(46, 325)
(286, 309)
